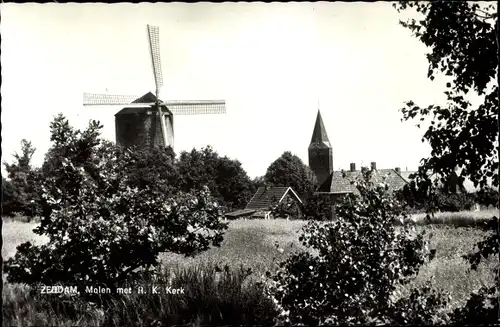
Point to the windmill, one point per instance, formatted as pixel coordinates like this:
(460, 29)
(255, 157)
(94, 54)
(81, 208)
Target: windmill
(148, 120)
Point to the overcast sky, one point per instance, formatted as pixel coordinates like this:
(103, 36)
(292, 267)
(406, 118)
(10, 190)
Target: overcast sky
(272, 63)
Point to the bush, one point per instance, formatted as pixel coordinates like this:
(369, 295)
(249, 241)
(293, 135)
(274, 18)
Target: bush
(454, 202)
(356, 265)
(100, 229)
(318, 207)
(488, 197)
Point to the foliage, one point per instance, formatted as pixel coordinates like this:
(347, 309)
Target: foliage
(460, 136)
(8, 195)
(360, 261)
(23, 187)
(464, 42)
(318, 207)
(226, 178)
(258, 181)
(100, 228)
(153, 167)
(455, 202)
(289, 170)
(288, 208)
(488, 197)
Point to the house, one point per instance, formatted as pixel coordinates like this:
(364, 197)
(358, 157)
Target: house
(270, 202)
(340, 183)
(336, 184)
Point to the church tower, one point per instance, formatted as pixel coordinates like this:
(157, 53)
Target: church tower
(320, 152)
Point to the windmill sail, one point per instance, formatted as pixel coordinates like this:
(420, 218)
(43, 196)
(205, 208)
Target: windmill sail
(139, 125)
(188, 107)
(95, 99)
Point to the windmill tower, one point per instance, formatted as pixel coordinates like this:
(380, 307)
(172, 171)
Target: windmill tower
(148, 120)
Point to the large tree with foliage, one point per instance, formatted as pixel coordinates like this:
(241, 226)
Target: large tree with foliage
(289, 170)
(101, 227)
(463, 42)
(225, 177)
(23, 186)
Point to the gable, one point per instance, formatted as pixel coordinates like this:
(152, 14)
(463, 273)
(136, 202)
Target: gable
(265, 198)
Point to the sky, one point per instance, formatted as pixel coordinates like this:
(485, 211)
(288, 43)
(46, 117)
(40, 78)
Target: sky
(272, 63)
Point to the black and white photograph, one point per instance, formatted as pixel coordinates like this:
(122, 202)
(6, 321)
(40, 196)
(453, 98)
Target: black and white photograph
(250, 163)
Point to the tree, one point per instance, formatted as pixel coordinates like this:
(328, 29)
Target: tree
(225, 177)
(100, 228)
(289, 170)
(8, 205)
(24, 182)
(464, 42)
(463, 39)
(356, 266)
(318, 207)
(154, 167)
(258, 181)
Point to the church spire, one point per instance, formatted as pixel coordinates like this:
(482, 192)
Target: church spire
(319, 137)
(320, 151)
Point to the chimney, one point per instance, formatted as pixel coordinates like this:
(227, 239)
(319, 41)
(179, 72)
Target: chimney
(374, 165)
(353, 167)
(398, 170)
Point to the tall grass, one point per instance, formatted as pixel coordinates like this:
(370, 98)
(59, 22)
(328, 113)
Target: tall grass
(212, 296)
(458, 219)
(220, 290)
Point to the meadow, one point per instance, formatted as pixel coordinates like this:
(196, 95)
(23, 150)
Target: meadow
(218, 296)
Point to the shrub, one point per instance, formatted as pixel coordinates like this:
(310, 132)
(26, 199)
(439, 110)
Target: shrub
(100, 229)
(287, 208)
(418, 201)
(488, 197)
(356, 265)
(318, 207)
(454, 202)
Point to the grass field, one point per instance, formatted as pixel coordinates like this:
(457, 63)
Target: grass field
(251, 243)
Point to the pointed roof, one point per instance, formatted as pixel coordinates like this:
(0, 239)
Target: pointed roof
(146, 98)
(264, 198)
(319, 137)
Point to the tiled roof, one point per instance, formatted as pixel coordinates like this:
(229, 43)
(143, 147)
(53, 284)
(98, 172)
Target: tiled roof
(406, 174)
(319, 138)
(337, 184)
(265, 198)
